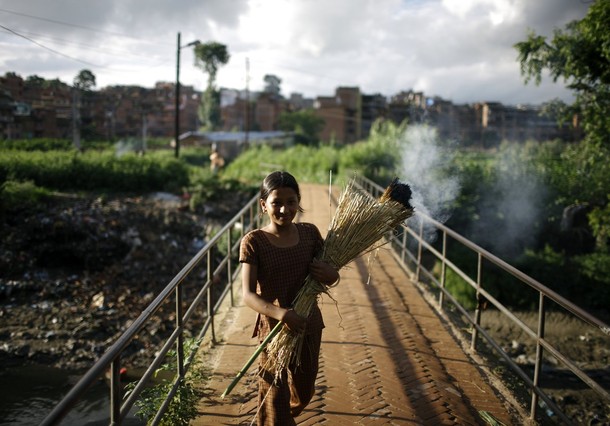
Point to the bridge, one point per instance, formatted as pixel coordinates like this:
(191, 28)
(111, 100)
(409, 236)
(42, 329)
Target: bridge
(390, 353)
(386, 357)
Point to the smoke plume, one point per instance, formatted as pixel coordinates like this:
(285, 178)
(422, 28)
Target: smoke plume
(424, 162)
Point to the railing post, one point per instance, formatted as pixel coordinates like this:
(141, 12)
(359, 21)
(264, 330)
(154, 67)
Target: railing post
(539, 349)
(441, 296)
(251, 217)
(180, 340)
(403, 250)
(210, 304)
(480, 302)
(419, 249)
(115, 392)
(229, 272)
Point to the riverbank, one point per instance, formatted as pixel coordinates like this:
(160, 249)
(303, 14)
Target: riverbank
(77, 270)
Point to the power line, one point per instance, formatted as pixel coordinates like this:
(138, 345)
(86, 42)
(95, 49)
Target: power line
(84, 27)
(68, 24)
(50, 49)
(90, 47)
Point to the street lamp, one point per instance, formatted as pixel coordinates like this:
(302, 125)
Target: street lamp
(177, 113)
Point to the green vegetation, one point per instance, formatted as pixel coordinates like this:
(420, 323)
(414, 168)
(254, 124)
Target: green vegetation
(32, 170)
(309, 164)
(183, 407)
(580, 55)
(210, 57)
(377, 158)
(511, 201)
(305, 124)
(26, 194)
(93, 170)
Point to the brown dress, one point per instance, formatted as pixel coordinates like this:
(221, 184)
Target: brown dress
(281, 273)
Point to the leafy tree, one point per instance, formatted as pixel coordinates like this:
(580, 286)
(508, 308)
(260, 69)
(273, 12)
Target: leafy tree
(305, 124)
(56, 83)
(580, 54)
(272, 84)
(209, 57)
(35, 81)
(83, 82)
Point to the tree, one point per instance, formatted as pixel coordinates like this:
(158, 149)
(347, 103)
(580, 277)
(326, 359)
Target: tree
(209, 57)
(35, 81)
(580, 54)
(305, 124)
(83, 82)
(272, 84)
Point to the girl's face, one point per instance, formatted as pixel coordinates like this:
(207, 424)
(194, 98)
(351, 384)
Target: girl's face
(281, 205)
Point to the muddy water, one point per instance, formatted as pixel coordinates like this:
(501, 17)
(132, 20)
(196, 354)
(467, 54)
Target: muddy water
(28, 394)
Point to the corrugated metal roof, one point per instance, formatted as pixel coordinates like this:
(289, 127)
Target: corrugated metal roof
(236, 136)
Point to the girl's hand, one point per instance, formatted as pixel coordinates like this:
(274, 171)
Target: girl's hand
(323, 272)
(294, 321)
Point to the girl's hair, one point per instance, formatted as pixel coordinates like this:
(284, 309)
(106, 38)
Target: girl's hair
(279, 179)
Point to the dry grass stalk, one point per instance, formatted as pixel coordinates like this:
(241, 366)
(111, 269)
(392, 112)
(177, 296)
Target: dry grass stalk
(360, 222)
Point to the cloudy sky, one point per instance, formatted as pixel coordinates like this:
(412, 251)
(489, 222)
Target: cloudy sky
(460, 50)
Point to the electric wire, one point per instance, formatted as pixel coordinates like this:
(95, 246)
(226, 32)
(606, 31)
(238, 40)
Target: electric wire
(89, 47)
(57, 52)
(337, 80)
(68, 24)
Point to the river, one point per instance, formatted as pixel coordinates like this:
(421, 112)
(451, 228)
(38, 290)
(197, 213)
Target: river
(29, 393)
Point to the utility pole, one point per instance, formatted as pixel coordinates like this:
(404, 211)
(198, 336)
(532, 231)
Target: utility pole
(177, 106)
(76, 118)
(247, 120)
(177, 112)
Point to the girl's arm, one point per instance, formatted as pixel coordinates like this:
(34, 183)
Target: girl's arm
(294, 322)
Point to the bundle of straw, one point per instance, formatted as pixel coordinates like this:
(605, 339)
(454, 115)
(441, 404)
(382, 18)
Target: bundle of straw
(359, 223)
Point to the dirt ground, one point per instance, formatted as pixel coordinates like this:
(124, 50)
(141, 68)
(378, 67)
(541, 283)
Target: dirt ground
(584, 345)
(76, 271)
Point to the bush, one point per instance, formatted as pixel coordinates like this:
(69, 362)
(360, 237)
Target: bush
(584, 279)
(20, 194)
(50, 144)
(41, 144)
(94, 171)
(305, 163)
(183, 407)
(377, 158)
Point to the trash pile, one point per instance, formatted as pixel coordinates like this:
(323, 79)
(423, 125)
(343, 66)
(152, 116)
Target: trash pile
(76, 272)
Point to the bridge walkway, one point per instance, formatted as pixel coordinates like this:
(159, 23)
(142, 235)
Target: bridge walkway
(386, 357)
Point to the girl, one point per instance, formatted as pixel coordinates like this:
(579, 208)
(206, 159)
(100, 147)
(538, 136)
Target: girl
(276, 260)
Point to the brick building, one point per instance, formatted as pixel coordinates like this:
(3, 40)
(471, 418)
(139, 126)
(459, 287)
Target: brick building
(40, 108)
(342, 115)
(36, 107)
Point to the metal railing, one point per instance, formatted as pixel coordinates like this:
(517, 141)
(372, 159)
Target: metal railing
(245, 220)
(408, 248)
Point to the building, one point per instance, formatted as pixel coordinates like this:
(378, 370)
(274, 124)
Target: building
(374, 107)
(230, 144)
(342, 115)
(36, 107)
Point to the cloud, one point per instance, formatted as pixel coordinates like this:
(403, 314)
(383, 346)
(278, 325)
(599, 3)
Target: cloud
(457, 49)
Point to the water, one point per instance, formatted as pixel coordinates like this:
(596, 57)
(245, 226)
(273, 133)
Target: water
(29, 393)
